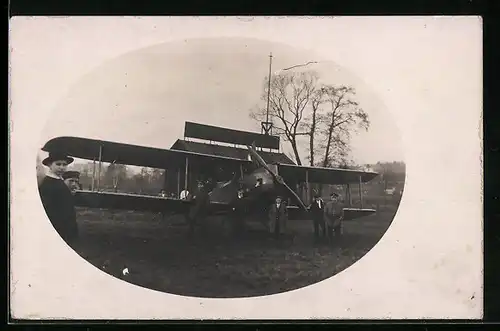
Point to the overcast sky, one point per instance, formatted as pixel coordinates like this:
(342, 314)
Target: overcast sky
(144, 97)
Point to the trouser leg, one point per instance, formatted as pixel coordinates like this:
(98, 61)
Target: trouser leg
(329, 232)
(277, 230)
(271, 227)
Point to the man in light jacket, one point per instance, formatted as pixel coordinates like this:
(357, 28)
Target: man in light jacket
(334, 214)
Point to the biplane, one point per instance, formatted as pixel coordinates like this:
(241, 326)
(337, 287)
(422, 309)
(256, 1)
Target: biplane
(248, 181)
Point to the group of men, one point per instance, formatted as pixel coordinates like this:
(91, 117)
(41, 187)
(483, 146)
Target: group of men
(57, 194)
(327, 217)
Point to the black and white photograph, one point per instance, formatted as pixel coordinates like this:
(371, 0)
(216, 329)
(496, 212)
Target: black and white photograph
(235, 167)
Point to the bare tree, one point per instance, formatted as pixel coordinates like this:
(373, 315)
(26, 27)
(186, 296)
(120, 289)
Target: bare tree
(289, 97)
(326, 114)
(343, 116)
(311, 123)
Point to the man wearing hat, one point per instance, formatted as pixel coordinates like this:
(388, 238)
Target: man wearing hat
(197, 211)
(317, 212)
(57, 199)
(278, 217)
(334, 214)
(239, 204)
(72, 180)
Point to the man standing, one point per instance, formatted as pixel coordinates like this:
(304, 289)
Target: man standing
(278, 217)
(184, 195)
(57, 199)
(72, 180)
(197, 212)
(238, 214)
(334, 214)
(317, 213)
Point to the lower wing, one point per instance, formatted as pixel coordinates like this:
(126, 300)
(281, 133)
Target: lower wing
(294, 212)
(125, 201)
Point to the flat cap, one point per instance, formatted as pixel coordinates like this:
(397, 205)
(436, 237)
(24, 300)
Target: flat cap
(71, 174)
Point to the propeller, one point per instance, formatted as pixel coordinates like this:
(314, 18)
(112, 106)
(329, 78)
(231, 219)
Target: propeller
(276, 177)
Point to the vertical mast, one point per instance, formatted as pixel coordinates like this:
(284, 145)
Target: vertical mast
(267, 126)
(269, 87)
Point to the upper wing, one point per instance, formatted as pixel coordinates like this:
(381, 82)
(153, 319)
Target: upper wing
(124, 201)
(107, 151)
(335, 176)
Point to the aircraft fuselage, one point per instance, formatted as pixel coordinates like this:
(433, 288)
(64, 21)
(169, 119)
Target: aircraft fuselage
(258, 184)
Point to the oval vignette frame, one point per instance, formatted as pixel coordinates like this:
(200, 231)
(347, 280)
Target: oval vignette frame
(134, 88)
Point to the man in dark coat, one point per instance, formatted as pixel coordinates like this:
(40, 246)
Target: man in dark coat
(317, 213)
(334, 215)
(278, 218)
(57, 199)
(239, 210)
(197, 212)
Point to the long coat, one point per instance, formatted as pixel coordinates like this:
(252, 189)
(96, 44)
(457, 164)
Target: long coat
(200, 204)
(59, 206)
(278, 218)
(334, 213)
(316, 212)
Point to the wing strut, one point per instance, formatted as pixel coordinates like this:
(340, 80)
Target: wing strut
(360, 192)
(186, 174)
(93, 174)
(165, 180)
(99, 169)
(308, 188)
(178, 182)
(349, 195)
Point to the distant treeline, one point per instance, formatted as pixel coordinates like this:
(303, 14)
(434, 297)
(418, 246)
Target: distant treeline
(120, 178)
(390, 171)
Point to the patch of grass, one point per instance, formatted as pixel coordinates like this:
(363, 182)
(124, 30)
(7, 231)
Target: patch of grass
(160, 256)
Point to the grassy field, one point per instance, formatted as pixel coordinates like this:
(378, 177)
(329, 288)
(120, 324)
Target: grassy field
(160, 256)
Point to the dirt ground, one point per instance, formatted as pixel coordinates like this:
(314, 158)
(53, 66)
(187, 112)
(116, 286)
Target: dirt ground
(160, 256)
